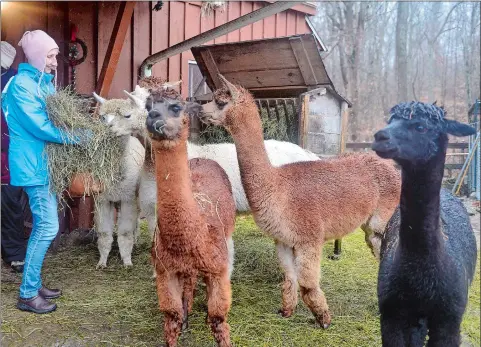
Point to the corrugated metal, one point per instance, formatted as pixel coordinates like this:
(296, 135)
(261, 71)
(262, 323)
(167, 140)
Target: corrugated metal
(150, 32)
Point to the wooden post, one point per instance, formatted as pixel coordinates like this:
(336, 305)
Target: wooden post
(122, 24)
(303, 120)
(344, 120)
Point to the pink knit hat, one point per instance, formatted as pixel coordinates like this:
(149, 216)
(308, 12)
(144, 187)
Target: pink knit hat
(36, 45)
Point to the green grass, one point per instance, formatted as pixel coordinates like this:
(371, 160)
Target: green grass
(118, 307)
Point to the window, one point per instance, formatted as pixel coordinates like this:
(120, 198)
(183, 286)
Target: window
(197, 86)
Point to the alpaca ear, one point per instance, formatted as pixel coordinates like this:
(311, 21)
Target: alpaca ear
(193, 108)
(456, 128)
(99, 99)
(232, 88)
(135, 100)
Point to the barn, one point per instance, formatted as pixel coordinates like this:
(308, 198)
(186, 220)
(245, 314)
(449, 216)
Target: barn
(107, 46)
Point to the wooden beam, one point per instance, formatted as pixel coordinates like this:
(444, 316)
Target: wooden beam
(304, 62)
(122, 24)
(212, 68)
(344, 122)
(235, 24)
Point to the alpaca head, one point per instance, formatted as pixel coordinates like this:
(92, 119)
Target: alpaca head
(168, 119)
(232, 105)
(124, 117)
(417, 133)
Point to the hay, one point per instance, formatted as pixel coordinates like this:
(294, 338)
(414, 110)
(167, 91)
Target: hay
(209, 7)
(99, 149)
(119, 307)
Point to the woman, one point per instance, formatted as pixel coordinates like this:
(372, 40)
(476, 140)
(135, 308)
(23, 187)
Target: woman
(23, 102)
(14, 244)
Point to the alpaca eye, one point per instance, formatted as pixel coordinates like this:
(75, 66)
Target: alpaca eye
(421, 129)
(220, 104)
(175, 108)
(128, 116)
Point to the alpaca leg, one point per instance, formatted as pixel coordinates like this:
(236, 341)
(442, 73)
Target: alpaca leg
(218, 302)
(392, 331)
(289, 287)
(104, 223)
(230, 253)
(151, 217)
(308, 273)
(169, 293)
(444, 331)
(126, 228)
(188, 297)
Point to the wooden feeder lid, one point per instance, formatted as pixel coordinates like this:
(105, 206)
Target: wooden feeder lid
(278, 67)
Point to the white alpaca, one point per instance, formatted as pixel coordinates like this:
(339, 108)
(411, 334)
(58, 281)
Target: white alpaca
(225, 154)
(121, 116)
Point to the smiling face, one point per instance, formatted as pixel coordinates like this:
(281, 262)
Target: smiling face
(51, 61)
(416, 133)
(168, 119)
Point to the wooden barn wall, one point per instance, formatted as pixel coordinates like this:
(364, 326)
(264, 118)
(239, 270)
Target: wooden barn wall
(150, 32)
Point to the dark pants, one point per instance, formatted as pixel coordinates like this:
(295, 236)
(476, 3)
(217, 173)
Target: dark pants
(14, 243)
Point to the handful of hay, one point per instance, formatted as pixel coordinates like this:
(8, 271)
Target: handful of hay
(99, 150)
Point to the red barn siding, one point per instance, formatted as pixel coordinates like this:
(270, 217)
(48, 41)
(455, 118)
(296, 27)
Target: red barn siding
(150, 32)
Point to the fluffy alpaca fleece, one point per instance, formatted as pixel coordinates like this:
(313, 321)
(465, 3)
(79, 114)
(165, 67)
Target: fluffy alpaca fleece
(196, 218)
(118, 114)
(429, 252)
(301, 205)
(279, 153)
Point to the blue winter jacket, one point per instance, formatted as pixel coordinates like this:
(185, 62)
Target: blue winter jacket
(23, 103)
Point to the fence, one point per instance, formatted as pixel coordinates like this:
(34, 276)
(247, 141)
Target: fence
(455, 156)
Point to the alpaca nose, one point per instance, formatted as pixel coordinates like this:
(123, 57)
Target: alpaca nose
(382, 135)
(154, 114)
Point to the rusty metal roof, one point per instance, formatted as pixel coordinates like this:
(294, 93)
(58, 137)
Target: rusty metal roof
(278, 67)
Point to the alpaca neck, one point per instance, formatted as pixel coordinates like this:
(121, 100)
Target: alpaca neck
(174, 188)
(420, 206)
(256, 171)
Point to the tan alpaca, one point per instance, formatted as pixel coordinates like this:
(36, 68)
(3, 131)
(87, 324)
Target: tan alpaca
(301, 205)
(196, 217)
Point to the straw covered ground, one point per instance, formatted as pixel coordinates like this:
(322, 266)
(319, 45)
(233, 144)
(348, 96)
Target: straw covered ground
(118, 307)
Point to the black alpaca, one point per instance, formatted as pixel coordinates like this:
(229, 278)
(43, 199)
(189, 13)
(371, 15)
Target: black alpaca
(428, 256)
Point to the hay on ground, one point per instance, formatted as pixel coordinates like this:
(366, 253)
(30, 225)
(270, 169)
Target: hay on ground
(99, 149)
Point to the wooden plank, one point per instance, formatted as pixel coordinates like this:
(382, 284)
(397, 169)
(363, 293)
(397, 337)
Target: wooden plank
(263, 78)
(364, 145)
(83, 14)
(304, 62)
(301, 25)
(221, 18)
(160, 38)
(176, 35)
(246, 32)
(304, 8)
(257, 27)
(317, 64)
(344, 123)
(269, 30)
(207, 23)
(234, 11)
(212, 68)
(58, 29)
(140, 33)
(291, 22)
(192, 28)
(234, 59)
(303, 121)
(281, 24)
(109, 66)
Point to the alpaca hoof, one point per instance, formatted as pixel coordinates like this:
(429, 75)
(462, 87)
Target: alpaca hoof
(185, 324)
(128, 264)
(324, 319)
(101, 265)
(285, 313)
(335, 257)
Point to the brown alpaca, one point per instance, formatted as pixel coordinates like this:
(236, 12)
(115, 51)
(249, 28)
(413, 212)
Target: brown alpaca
(196, 217)
(301, 205)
